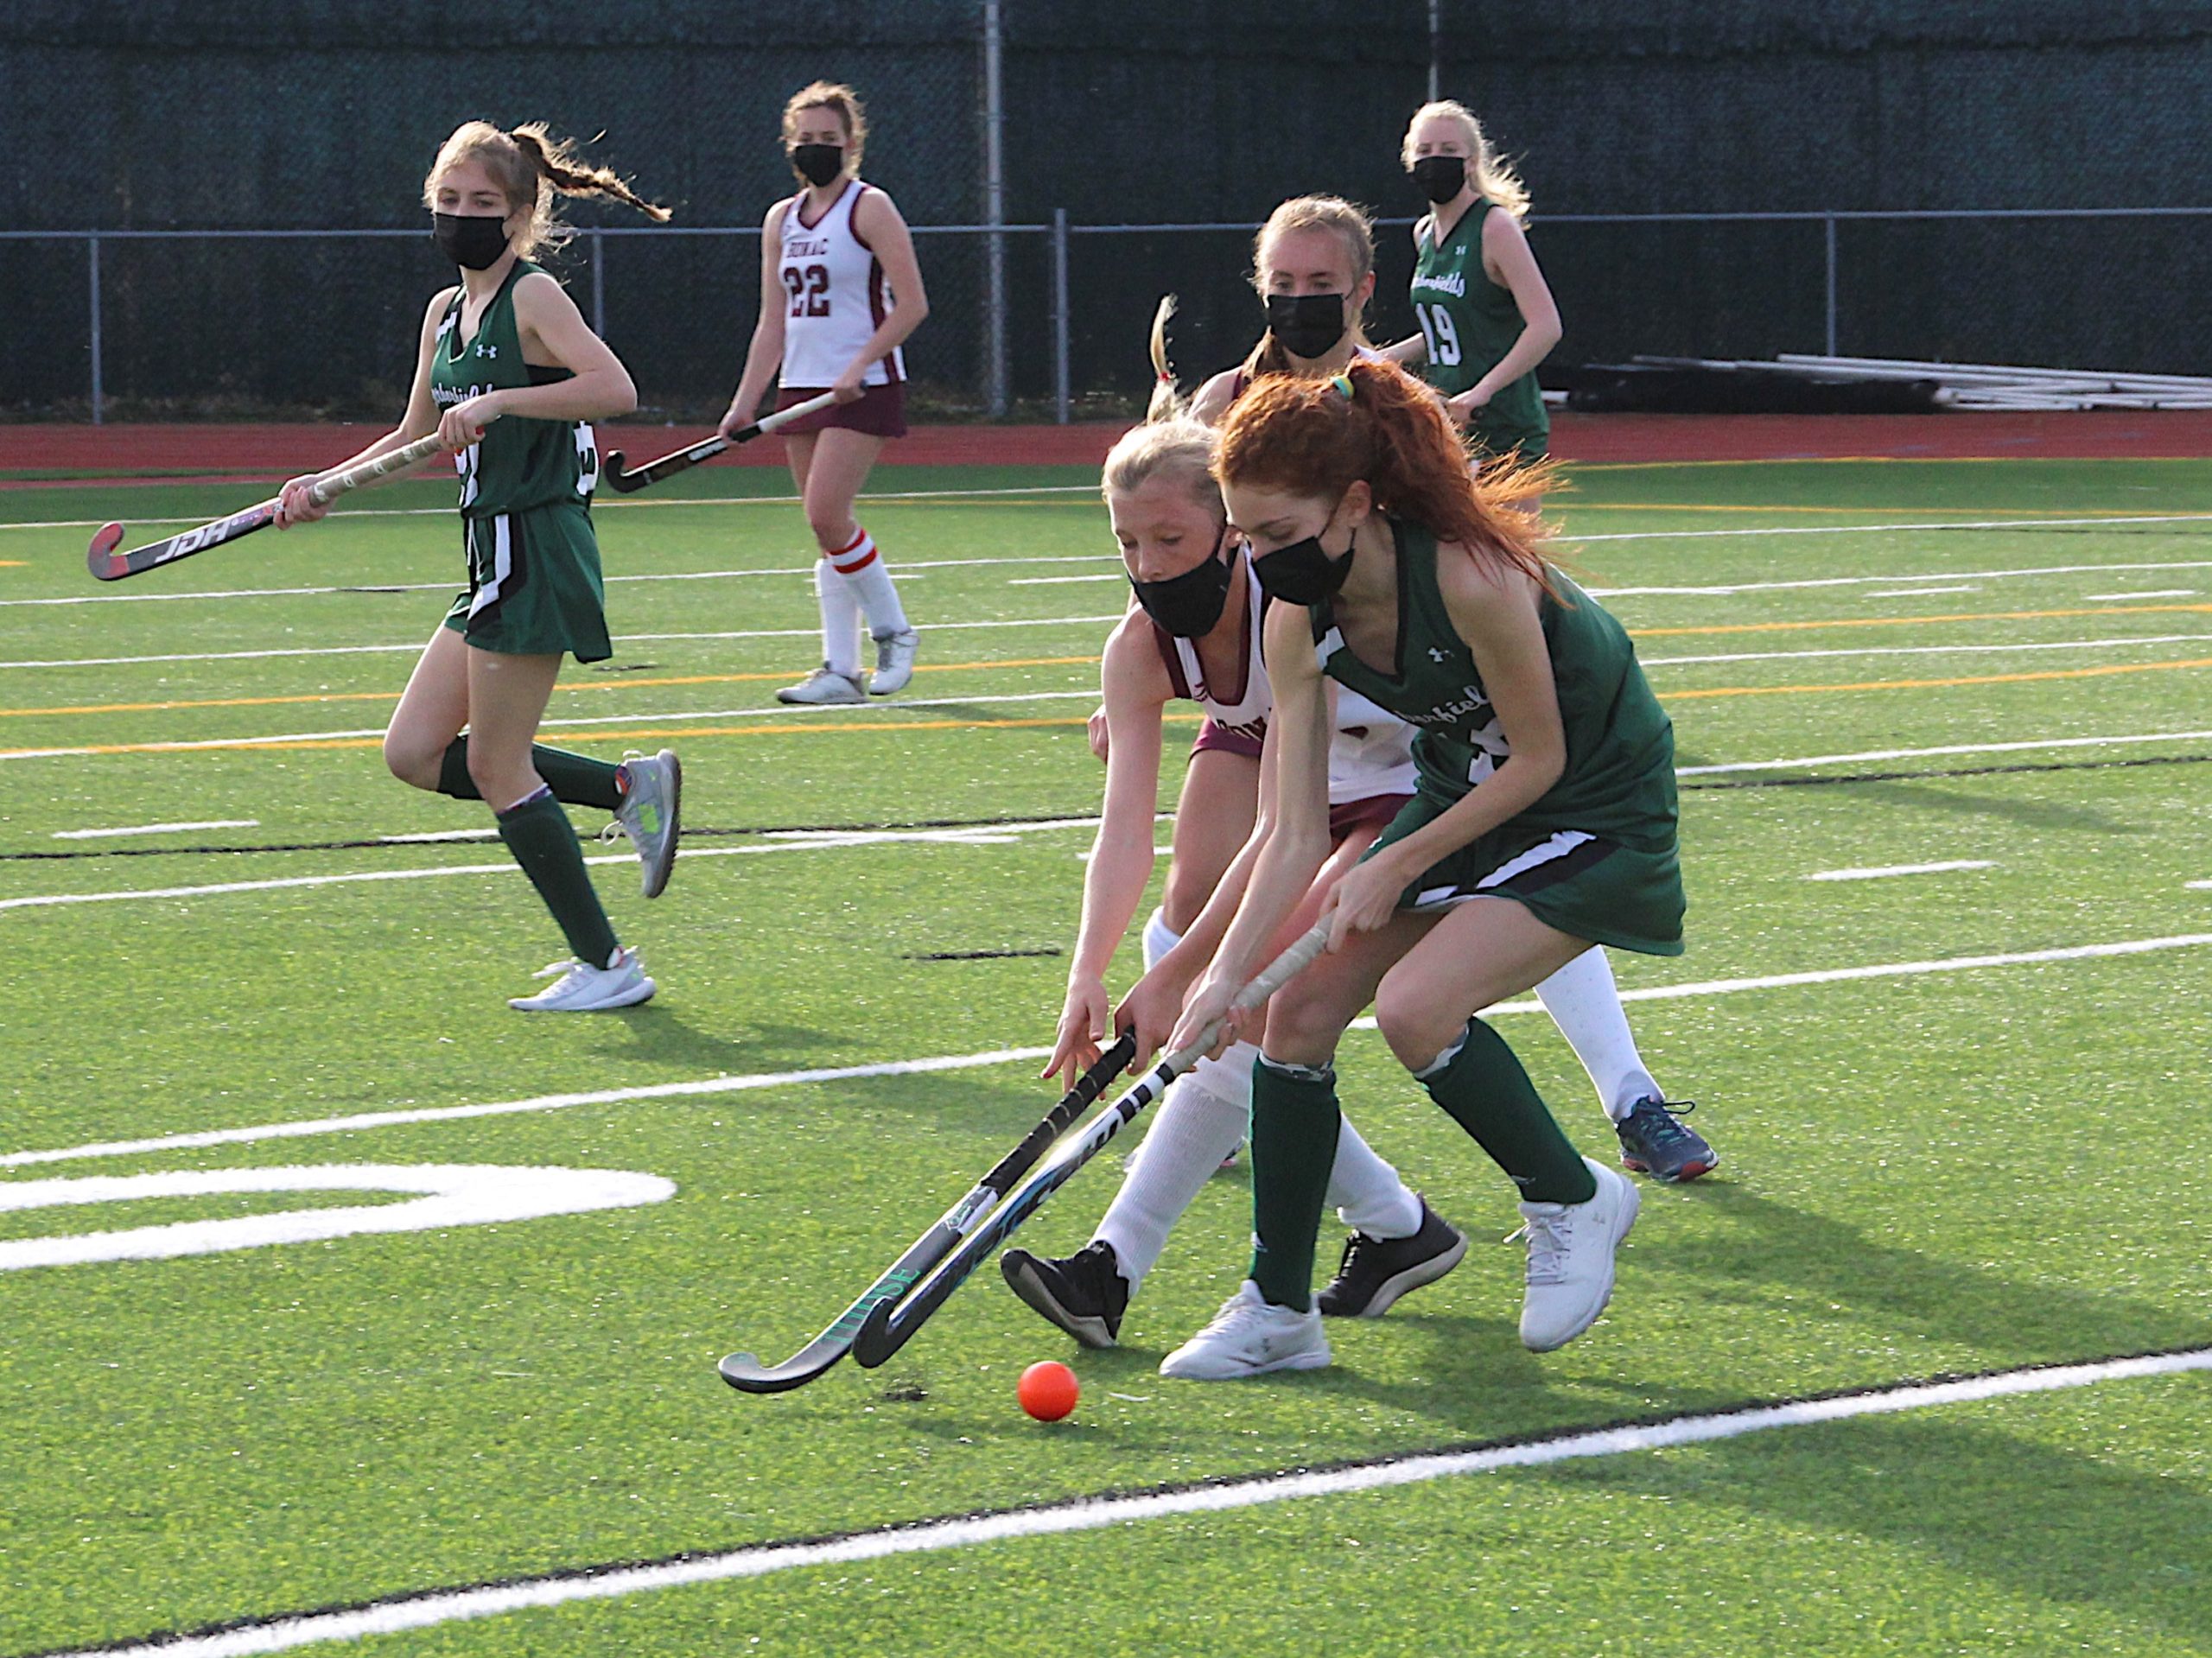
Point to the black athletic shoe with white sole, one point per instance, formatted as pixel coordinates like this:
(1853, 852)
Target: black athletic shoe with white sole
(1085, 1293)
(1654, 1140)
(1375, 1271)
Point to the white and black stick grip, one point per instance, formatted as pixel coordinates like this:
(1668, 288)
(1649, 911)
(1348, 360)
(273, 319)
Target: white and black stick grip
(109, 565)
(745, 1373)
(886, 1328)
(623, 481)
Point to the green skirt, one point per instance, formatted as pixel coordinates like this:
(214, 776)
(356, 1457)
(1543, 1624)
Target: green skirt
(1582, 884)
(534, 585)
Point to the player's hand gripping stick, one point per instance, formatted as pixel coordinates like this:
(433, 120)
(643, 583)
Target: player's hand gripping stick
(888, 1327)
(623, 482)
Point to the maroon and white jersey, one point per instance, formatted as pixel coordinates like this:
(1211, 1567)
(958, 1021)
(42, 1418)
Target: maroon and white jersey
(1371, 751)
(835, 294)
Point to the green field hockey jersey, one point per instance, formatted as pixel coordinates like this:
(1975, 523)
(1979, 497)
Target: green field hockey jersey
(520, 463)
(1469, 323)
(1619, 782)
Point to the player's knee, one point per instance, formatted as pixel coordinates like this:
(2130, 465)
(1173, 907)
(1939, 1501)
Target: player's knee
(1183, 897)
(496, 779)
(1303, 1026)
(1417, 1021)
(833, 530)
(411, 761)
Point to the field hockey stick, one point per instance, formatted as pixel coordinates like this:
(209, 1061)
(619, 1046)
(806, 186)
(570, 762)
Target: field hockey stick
(624, 483)
(888, 1327)
(111, 566)
(747, 1374)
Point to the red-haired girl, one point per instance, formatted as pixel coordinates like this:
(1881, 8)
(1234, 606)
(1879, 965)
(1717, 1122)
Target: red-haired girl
(1544, 822)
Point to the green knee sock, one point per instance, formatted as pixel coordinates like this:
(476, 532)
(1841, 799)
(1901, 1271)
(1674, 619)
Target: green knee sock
(1294, 1125)
(572, 778)
(1488, 1094)
(538, 832)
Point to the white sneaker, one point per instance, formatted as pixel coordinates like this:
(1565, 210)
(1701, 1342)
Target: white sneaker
(823, 687)
(651, 813)
(584, 988)
(1250, 1335)
(1571, 1260)
(894, 662)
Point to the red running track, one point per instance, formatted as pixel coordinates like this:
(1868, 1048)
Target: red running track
(255, 453)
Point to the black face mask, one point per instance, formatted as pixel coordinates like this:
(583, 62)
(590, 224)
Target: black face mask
(1188, 605)
(1302, 573)
(475, 242)
(1306, 325)
(1441, 177)
(818, 163)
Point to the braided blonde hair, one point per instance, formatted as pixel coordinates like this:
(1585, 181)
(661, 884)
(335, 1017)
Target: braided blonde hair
(522, 163)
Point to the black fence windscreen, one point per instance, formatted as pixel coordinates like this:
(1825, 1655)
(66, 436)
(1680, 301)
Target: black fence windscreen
(320, 115)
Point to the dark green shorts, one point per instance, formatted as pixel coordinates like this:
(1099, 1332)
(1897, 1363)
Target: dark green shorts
(1582, 884)
(533, 585)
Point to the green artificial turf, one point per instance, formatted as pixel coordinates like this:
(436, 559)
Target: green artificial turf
(1925, 1173)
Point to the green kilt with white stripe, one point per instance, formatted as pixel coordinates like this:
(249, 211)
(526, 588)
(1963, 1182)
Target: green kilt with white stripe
(534, 586)
(1583, 884)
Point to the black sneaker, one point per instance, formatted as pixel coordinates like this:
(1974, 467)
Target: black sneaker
(1375, 1271)
(1083, 1293)
(1654, 1141)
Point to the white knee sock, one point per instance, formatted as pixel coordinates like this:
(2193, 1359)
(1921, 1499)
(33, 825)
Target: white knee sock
(1585, 1004)
(1366, 1192)
(1193, 1129)
(841, 619)
(1158, 938)
(862, 568)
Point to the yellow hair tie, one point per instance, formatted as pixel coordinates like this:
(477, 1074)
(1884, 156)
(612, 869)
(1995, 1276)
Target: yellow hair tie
(1343, 383)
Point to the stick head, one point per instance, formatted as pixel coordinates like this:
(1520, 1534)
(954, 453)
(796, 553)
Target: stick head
(99, 557)
(617, 479)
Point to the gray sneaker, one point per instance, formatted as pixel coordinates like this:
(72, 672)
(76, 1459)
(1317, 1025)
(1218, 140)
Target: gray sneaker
(894, 662)
(823, 688)
(651, 813)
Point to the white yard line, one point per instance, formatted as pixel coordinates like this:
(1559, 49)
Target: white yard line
(1892, 577)
(1926, 650)
(1865, 755)
(1921, 593)
(416, 644)
(2161, 593)
(353, 1123)
(1887, 870)
(156, 829)
(789, 841)
(907, 567)
(431, 1611)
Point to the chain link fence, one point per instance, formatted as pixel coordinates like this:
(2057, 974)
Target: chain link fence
(1728, 179)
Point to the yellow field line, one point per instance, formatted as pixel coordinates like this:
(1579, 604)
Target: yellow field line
(15, 563)
(1912, 622)
(569, 738)
(1566, 501)
(1879, 459)
(581, 685)
(759, 729)
(1935, 685)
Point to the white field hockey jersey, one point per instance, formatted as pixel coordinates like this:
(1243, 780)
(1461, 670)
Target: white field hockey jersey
(1372, 751)
(835, 294)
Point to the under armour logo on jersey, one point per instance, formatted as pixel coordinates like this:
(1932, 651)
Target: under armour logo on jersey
(483, 350)
(1435, 655)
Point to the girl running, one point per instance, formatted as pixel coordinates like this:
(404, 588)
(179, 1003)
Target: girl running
(507, 374)
(840, 291)
(1544, 822)
(1486, 315)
